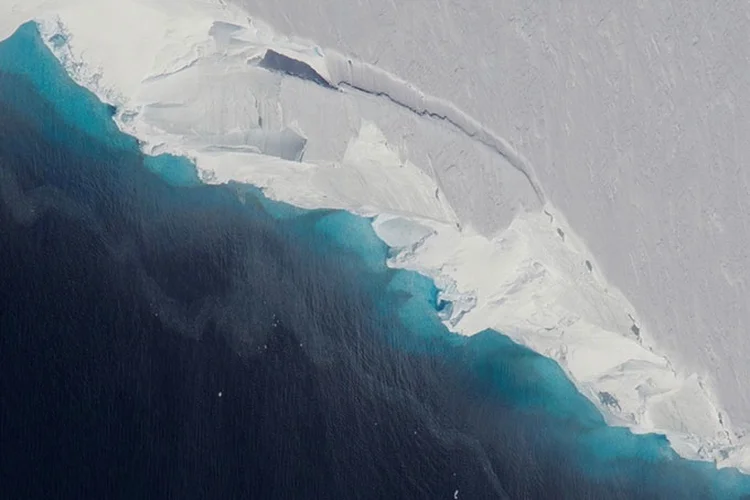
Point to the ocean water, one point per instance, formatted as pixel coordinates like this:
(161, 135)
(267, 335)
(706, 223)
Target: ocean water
(160, 338)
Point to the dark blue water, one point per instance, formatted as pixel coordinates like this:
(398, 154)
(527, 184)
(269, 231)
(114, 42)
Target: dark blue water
(160, 338)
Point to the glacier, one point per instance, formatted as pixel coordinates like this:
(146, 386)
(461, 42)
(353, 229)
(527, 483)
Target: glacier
(190, 79)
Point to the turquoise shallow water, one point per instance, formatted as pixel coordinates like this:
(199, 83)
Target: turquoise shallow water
(79, 109)
(184, 289)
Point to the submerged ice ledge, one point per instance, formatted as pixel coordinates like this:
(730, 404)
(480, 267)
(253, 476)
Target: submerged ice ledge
(534, 282)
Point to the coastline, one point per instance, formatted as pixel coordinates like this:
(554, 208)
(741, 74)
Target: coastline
(550, 271)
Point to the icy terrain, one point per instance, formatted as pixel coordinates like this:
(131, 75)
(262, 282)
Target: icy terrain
(340, 126)
(634, 117)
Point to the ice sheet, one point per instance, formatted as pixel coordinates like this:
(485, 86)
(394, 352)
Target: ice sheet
(456, 200)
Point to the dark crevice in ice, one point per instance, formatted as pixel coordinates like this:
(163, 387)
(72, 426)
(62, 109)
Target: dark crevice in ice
(275, 61)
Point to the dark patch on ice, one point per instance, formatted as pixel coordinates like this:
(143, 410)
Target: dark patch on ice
(444, 309)
(561, 233)
(275, 61)
(609, 400)
(589, 266)
(58, 40)
(636, 331)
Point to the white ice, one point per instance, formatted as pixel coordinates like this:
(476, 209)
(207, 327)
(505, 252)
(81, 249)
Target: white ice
(411, 135)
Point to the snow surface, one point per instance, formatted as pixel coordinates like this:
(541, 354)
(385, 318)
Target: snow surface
(453, 198)
(634, 117)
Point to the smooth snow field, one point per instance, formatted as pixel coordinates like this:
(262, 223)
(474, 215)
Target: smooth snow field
(571, 176)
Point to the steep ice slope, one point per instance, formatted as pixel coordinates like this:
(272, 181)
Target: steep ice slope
(198, 86)
(634, 116)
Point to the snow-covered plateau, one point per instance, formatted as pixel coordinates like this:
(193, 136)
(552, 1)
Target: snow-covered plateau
(320, 126)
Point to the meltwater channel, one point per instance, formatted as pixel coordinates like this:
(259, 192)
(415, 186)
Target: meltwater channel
(161, 338)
